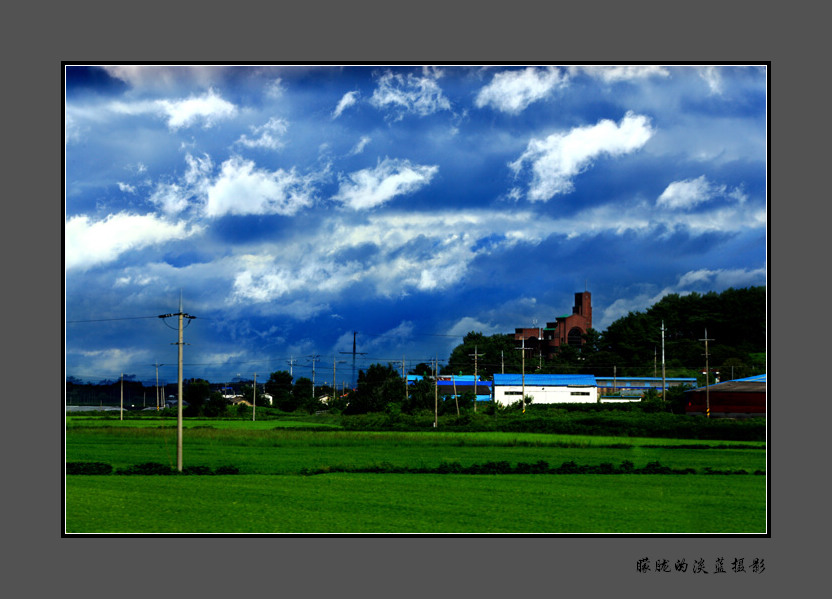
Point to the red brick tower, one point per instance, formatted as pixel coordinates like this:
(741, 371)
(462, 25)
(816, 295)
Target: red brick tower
(566, 330)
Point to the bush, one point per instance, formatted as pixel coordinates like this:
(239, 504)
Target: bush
(196, 470)
(147, 468)
(88, 468)
(227, 470)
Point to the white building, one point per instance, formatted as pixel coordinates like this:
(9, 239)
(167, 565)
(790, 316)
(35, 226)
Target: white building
(545, 388)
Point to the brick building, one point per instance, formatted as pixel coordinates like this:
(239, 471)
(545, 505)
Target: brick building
(565, 330)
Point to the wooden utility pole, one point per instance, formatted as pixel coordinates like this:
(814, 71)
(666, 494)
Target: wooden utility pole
(476, 355)
(707, 375)
(180, 316)
(404, 376)
(314, 359)
(121, 404)
(335, 360)
(664, 380)
(436, 393)
(522, 348)
(157, 384)
(254, 398)
(354, 353)
(456, 397)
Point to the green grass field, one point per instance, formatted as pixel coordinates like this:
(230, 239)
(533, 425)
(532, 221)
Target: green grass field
(271, 496)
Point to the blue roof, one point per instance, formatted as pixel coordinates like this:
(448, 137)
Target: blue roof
(760, 378)
(542, 380)
(643, 378)
(448, 379)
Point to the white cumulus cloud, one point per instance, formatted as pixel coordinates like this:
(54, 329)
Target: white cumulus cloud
(359, 147)
(713, 78)
(615, 73)
(372, 187)
(513, 91)
(558, 158)
(207, 108)
(90, 243)
(268, 136)
(349, 99)
(420, 95)
(241, 188)
(692, 192)
(176, 197)
(165, 77)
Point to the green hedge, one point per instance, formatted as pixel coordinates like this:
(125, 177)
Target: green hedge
(148, 468)
(540, 467)
(622, 423)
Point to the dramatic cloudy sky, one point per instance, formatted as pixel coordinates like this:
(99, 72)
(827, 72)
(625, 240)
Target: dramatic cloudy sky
(293, 205)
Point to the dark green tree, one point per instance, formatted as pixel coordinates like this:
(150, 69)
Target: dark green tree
(215, 406)
(302, 393)
(280, 387)
(196, 393)
(420, 397)
(376, 387)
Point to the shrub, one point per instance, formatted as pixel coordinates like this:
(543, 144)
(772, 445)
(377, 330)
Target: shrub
(147, 468)
(196, 470)
(227, 470)
(88, 468)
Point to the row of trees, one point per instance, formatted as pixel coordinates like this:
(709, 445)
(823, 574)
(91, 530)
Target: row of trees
(630, 346)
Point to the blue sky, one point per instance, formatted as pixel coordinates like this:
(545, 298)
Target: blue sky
(293, 205)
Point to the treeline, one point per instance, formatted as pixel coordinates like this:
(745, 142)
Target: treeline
(631, 346)
(735, 320)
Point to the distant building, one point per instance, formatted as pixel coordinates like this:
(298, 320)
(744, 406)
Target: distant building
(172, 402)
(545, 388)
(636, 386)
(457, 385)
(740, 398)
(568, 329)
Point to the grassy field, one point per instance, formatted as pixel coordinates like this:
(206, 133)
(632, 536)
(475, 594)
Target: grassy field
(270, 495)
(401, 503)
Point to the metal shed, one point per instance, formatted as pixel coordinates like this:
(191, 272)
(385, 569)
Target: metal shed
(740, 398)
(545, 388)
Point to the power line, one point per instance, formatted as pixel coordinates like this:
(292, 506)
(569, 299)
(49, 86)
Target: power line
(110, 319)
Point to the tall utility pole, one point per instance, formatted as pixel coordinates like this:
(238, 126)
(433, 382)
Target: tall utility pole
(664, 381)
(707, 375)
(314, 359)
(436, 393)
(334, 361)
(404, 377)
(254, 397)
(157, 384)
(180, 316)
(291, 362)
(354, 353)
(121, 410)
(476, 355)
(522, 348)
(456, 397)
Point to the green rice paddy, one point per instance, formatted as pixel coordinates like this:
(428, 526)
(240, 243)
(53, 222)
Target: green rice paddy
(272, 495)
